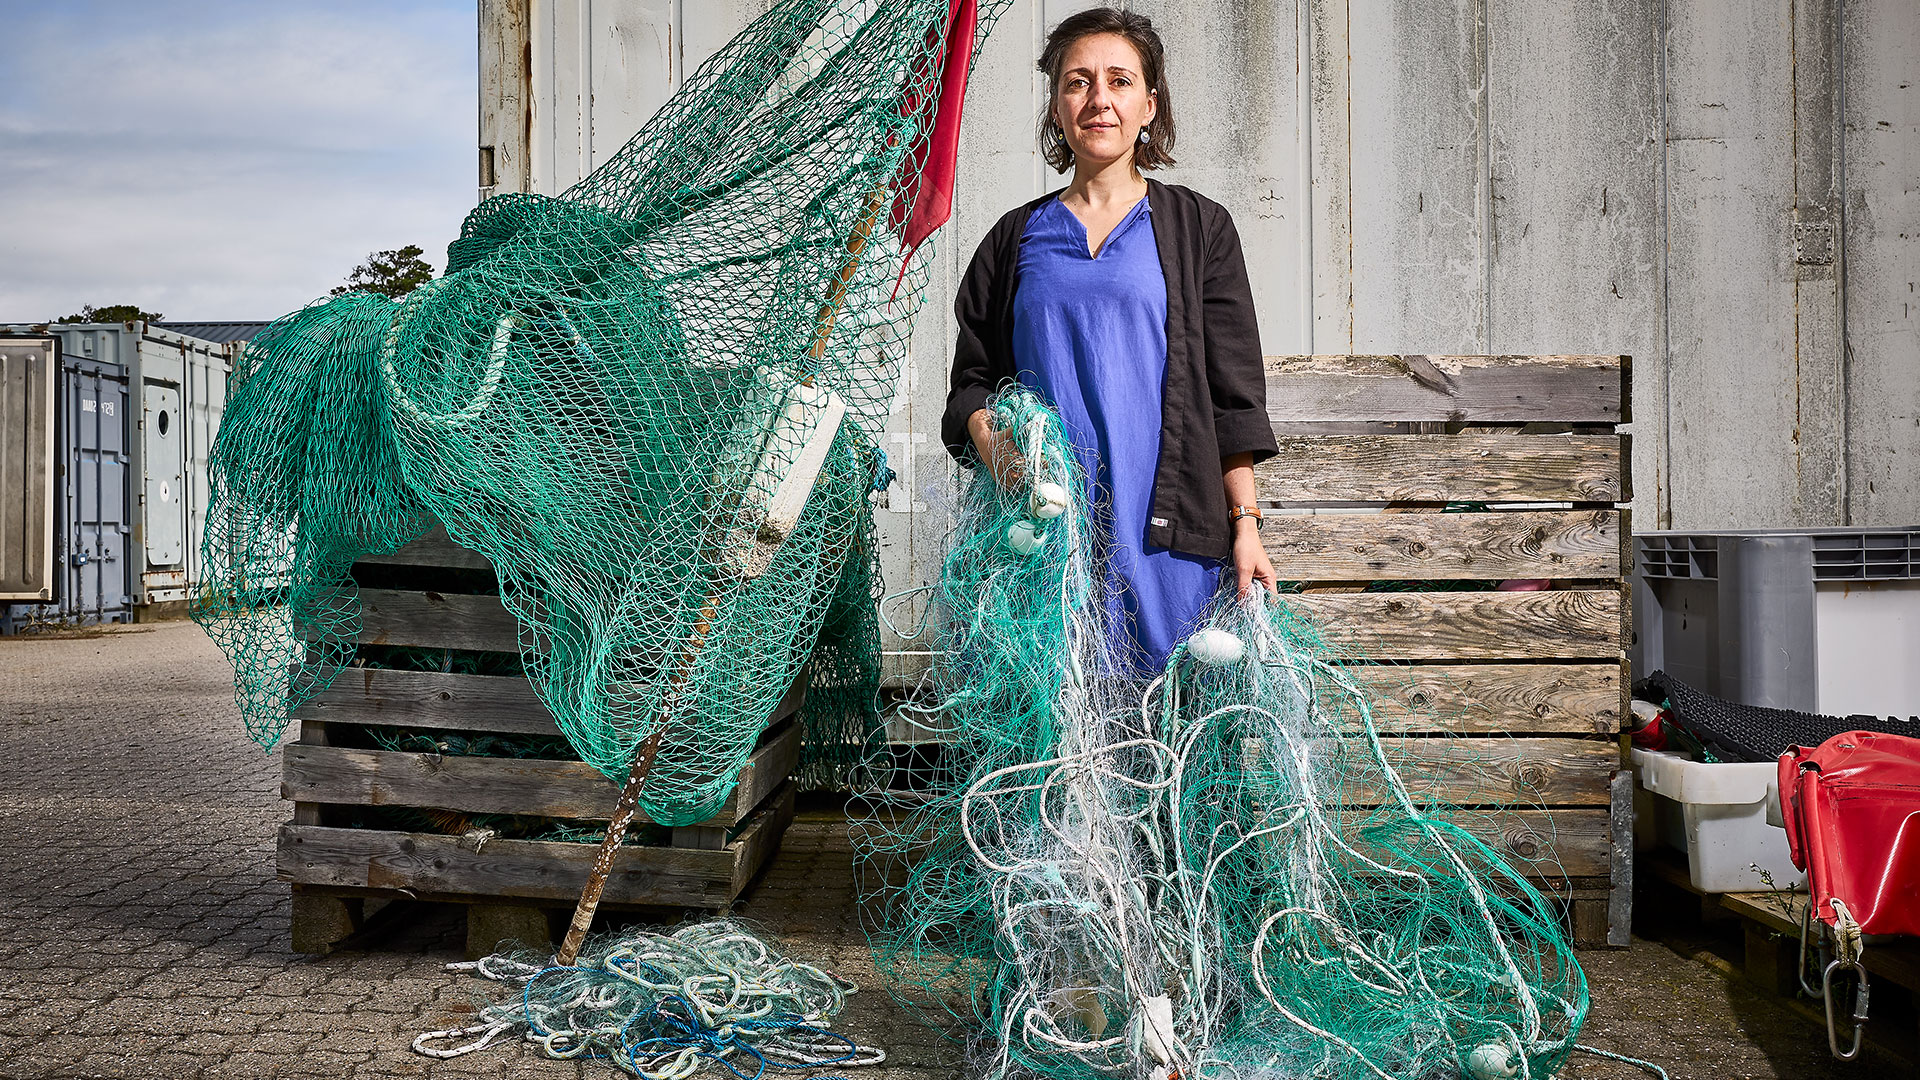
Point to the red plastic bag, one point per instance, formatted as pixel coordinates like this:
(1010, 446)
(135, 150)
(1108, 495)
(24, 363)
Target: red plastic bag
(1852, 810)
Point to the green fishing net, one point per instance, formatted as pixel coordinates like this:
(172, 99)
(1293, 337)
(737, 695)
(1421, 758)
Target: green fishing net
(1217, 875)
(652, 403)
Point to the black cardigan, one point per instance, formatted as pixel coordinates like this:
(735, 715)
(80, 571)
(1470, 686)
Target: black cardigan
(1214, 398)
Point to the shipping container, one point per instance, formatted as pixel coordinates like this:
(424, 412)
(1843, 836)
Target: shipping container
(177, 387)
(29, 370)
(93, 573)
(97, 526)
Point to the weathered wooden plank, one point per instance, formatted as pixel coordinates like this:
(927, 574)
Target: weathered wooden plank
(1471, 389)
(431, 701)
(766, 770)
(436, 701)
(1558, 624)
(443, 867)
(423, 863)
(1571, 889)
(1498, 772)
(1469, 467)
(760, 839)
(435, 548)
(1494, 698)
(1550, 843)
(1554, 843)
(432, 620)
(1436, 546)
(344, 775)
(484, 785)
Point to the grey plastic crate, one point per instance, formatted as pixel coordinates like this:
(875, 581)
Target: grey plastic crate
(1820, 620)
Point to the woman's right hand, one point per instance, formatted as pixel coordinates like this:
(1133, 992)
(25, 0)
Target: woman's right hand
(998, 455)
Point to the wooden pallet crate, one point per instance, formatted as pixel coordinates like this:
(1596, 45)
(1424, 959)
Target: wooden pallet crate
(1528, 688)
(338, 773)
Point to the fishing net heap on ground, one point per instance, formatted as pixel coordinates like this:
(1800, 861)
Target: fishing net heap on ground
(1221, 876)
(664, 1006)
(620, 397)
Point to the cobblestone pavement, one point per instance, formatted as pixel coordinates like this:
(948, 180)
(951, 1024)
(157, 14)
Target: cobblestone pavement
(142, 932)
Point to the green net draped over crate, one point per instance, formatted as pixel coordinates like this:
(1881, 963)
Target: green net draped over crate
(652, 403)
(1218, 875)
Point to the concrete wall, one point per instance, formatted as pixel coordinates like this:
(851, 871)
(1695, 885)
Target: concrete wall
(1728, 192)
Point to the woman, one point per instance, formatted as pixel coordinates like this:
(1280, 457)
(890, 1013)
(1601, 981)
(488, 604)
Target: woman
(1125, 303)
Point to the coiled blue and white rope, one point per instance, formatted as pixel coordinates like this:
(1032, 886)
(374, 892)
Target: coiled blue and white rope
(665, 1006)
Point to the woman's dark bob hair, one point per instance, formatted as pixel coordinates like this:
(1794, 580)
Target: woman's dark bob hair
(1137, 29)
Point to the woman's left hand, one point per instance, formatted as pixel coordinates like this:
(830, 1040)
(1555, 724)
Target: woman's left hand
(1250, 559)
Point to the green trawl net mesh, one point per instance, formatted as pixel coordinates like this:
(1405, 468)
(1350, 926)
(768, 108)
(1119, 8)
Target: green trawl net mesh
(651, 402)
(1219, 875)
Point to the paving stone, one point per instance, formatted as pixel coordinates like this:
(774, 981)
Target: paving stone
(252, 1065)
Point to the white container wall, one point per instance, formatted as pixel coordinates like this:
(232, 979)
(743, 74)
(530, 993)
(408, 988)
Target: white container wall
(1869, 635)
(178, 384)
(1723, 192)
(206, 402)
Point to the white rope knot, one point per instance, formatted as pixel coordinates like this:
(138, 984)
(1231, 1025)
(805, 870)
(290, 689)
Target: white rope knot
(1848, 943)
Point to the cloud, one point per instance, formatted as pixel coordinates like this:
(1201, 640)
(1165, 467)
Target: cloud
(225, 160)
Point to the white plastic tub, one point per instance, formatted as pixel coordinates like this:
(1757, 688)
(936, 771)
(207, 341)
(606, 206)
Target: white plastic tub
(1717, 815)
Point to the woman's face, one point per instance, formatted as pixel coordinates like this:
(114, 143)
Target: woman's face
(1101, 100)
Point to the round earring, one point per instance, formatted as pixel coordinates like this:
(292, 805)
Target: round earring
(1144, 137)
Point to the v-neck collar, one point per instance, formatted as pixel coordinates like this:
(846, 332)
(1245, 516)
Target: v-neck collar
(1134, 212)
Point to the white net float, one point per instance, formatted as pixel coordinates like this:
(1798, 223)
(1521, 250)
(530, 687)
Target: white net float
(1024, 537)
(1216, 647)
(1049, 500)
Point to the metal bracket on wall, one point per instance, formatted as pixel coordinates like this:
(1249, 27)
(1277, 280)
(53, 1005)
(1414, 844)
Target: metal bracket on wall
(1813, 242)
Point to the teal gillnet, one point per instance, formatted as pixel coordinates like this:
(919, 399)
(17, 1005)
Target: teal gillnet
(652, 403)
(1220, 874)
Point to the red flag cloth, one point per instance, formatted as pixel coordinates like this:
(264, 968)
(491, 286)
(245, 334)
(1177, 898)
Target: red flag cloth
(937, 157)
(1852, 809)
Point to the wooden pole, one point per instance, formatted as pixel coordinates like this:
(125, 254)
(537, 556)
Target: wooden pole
(624, 812)
(627, 808)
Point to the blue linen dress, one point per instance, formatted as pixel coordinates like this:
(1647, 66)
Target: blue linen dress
(1090, 335)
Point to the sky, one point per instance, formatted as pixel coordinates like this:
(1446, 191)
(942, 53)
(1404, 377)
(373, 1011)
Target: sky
(220, 159)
